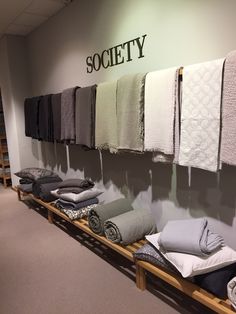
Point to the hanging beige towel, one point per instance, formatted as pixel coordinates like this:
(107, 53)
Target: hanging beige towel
(161, 99)
(106, 123)
(228, 142)
(200, 115)
(130, 112)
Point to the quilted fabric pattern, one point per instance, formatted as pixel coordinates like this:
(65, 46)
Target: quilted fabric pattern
(200, 118)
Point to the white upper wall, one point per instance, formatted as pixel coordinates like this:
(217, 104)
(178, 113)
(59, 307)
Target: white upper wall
(14, 84)
(179, 32)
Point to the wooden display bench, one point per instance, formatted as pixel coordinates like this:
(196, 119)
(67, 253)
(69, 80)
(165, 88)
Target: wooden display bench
(188, 288)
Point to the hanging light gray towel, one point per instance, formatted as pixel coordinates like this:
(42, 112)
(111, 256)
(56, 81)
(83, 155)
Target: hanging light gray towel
(68, 115)
(129, 227)
(98, 215)
(130, 112)
(85, 116)
(190, 236)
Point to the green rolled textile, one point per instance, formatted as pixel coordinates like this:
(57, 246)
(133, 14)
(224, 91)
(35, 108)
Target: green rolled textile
(129, 227)
(98, 215)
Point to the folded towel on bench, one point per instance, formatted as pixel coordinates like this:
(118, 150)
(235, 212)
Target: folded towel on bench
(190, 236)
(129, 227)
(98, 215)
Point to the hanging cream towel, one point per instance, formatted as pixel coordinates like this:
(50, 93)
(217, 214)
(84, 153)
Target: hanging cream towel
(161, 98)
(130, 110)
(228, 142)
(200, 115)
(106, 122)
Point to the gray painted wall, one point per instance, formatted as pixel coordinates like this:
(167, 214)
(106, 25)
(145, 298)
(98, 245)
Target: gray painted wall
(179, 32)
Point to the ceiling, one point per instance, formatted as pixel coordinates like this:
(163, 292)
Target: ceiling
(20, 17)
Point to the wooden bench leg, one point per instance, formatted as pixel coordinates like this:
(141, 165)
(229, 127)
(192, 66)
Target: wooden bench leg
(19, 194)
(140, 277)
(50, 216)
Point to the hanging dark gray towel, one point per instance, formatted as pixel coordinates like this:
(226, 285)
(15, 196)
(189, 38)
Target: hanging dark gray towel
(34, 117)
(130, 112)
(85, 116)
(56, 116)
(27, 107)
(45, 118)
(68, 115)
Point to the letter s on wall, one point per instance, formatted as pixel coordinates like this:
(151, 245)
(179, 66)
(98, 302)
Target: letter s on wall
(89, 64)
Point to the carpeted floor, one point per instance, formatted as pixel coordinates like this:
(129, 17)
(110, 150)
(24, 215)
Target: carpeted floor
(57, 269)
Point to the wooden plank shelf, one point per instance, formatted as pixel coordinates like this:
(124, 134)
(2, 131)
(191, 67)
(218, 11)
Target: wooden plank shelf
(218, 305)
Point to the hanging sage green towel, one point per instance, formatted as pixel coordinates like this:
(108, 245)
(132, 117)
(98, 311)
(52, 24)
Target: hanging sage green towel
(98, 215)
(130, 112)
(129, 227)
(106, 122)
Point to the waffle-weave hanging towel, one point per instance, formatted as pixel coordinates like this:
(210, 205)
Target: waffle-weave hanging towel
(201, 114)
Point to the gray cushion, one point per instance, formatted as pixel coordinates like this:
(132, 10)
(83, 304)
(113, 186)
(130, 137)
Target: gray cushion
(34, 173)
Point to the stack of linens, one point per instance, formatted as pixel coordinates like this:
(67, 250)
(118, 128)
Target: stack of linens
(76, 197)
(38, 181)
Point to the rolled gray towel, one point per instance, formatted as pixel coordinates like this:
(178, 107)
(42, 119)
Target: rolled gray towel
(231, 291)
(129, 227)
(98, 215)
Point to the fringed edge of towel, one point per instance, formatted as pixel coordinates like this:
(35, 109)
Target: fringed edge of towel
(141, 112)
(106, 146)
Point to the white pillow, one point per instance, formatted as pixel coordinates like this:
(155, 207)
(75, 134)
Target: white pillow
(82, 196)
(190, 265)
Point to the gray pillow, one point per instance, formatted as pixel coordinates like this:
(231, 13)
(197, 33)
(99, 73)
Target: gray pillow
(34, 173)
(149, 253)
